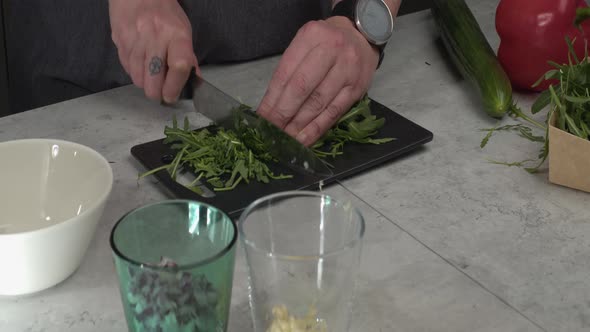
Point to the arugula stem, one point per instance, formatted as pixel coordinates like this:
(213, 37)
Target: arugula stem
(232, 187)
(519, 113)
(153, 171)
(195, 181)
(177, 162)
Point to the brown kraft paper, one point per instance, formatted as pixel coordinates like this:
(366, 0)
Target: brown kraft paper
(569, 159)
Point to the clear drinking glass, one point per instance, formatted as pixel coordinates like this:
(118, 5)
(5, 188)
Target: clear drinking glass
(303, 253)
(175, 263)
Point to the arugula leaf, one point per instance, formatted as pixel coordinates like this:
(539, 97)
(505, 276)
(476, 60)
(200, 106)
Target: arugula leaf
(573, 128)
(358, 125)
(542, 101)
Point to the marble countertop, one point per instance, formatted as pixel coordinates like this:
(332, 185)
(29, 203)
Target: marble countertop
(453, 243)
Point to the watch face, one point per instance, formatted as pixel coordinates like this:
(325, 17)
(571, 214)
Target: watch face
(374, 18)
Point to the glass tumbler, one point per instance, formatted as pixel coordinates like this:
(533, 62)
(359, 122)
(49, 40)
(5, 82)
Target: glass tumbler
(303, 254)
(175, 263)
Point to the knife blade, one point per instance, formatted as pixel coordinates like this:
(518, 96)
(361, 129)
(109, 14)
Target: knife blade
(224, 111)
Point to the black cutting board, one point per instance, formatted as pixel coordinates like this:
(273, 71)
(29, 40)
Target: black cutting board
(355, 159)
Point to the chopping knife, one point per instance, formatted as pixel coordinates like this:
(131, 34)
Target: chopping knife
(224, 110)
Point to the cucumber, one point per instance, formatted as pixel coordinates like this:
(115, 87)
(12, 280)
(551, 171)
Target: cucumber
(472, 55)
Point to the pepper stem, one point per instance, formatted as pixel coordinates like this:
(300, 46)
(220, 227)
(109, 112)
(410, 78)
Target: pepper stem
(582, 14)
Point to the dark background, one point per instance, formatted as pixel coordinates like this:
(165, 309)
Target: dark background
(4, 109)
(408, 6)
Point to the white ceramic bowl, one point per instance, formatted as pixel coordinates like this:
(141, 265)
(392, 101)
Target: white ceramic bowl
(52, 194)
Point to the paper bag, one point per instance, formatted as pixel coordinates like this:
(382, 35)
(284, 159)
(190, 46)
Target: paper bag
(569, 158)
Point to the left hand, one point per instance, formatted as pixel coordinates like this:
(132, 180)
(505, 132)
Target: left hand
(327, 68)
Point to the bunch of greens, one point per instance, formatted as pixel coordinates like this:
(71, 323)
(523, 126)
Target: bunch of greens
(569, 102)
(225, 158)
(171, 301)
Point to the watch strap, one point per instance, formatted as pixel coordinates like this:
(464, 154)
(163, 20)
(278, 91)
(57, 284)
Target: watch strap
(345, 8)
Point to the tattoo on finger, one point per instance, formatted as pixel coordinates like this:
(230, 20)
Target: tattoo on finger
(155, 65)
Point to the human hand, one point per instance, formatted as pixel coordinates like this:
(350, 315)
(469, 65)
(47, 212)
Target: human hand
(327, 67)
(154, 43)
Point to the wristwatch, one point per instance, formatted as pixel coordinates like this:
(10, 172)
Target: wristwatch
(371, 17)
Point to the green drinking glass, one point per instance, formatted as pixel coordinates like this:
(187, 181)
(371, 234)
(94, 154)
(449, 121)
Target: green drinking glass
(175, 264)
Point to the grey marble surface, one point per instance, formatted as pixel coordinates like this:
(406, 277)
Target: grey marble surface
(453, 243)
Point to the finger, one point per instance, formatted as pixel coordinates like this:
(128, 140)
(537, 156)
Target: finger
(328, 117)
(155, 69)
(317, 101)
(181, 59)
(310, 73)
(136, 62)
(303, 41)
(124, 43)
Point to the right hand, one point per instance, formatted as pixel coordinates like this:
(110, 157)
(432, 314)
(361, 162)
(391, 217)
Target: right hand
(154, 42)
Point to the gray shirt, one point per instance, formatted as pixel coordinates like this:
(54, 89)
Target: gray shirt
(58, 50)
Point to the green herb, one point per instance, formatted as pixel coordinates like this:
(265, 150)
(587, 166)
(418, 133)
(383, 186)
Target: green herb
(221, 158)
(358, 125)
(568, 101)
(171, 300)
(523, 131)
(226, 158)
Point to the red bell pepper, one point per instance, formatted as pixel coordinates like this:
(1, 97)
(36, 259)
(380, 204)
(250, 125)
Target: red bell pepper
(533, 32)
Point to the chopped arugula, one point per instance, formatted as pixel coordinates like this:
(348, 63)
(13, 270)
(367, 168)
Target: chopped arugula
(225, 158)
(221, 157)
